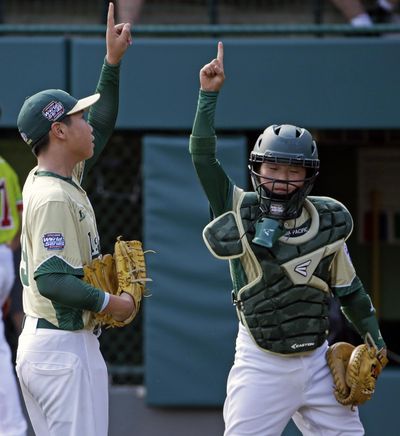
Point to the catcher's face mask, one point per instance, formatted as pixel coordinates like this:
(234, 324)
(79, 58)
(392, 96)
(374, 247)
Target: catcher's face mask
(289, 151)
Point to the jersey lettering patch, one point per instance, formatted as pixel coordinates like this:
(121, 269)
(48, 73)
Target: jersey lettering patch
(298, 231)
(53, 241)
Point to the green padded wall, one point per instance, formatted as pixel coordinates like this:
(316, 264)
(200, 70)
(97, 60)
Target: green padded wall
(28, 65)
(315, 82)
(190, 323)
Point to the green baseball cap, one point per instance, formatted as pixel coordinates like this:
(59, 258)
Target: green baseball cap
(41, 110)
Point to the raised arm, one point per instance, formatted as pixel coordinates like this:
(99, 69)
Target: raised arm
(103, 114)
(215, 182)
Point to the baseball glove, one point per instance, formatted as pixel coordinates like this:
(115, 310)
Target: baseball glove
(355, 371)
(125, 271)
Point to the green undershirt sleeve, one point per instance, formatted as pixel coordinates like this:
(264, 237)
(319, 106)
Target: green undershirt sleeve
(203, 125)
(216, 184)
(68, 290)
(358, 309)
(103, 114)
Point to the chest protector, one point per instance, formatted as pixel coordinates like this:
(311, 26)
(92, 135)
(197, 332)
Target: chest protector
(281, 293)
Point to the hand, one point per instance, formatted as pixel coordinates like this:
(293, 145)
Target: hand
(118, 38)
(128, 307)
(212, 75)
(120, 306)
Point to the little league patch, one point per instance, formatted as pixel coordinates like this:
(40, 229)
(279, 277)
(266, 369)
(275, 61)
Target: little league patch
(53, 241)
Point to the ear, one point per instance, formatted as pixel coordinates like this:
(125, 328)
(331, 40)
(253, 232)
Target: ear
(58, 130)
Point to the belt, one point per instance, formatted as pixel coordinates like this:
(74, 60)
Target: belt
(42, 324)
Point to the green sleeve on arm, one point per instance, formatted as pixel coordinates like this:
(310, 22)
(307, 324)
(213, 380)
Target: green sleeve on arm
(203, 125)
(103, 114)
(358, 309)
(215, 182)
(61, 283)
(342, 291)
(55, 264)
(70, 291)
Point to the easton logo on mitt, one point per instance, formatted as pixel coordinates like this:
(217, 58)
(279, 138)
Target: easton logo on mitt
(124, 271)
(355, 370)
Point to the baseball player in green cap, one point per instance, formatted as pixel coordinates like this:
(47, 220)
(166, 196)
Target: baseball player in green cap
(287, 254)
(62, 373)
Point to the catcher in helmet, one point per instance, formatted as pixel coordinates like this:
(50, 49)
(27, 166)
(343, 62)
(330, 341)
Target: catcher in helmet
(287, 254)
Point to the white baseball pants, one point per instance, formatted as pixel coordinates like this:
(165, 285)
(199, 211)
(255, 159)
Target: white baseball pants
(265, 390)
(64, 381)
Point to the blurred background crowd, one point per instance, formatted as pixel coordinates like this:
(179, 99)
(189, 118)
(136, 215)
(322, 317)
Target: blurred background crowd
(356, 12)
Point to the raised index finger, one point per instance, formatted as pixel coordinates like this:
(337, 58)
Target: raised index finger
(110, 15)
(220, 54)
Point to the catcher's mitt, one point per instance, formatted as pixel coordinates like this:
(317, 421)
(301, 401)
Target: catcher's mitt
(125, 271)
(355, 371)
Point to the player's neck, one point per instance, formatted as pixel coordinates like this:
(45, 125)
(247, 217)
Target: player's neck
(59, 165)
(59, 158)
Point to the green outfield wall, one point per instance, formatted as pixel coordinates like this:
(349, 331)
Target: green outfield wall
(315, 82)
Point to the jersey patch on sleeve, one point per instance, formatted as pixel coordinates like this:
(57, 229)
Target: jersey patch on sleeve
(53, 241)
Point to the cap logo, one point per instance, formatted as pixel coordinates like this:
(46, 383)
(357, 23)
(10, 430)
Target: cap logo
(53, 111)
(25, 138)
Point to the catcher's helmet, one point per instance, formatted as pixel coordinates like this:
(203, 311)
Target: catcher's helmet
(290, 145)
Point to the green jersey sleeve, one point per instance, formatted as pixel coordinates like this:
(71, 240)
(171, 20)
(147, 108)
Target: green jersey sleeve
(103, 114)
(358, 309)
(69, 291)
(216, 183)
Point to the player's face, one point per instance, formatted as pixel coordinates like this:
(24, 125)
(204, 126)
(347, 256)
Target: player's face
(281, 179)
(80, 137)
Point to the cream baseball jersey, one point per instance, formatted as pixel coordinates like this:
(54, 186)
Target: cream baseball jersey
(61, 237)
(10, 202)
